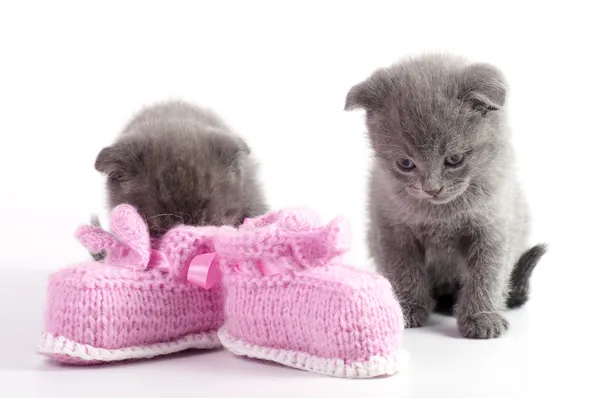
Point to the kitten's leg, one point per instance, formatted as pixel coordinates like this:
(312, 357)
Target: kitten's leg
(483, 290)
(400, 258)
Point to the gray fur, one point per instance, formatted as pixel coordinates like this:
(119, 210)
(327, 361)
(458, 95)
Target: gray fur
(180, 164)
(95, 221)
(462, 240)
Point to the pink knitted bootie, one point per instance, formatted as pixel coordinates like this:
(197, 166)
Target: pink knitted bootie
(289, 299)
(145, 299)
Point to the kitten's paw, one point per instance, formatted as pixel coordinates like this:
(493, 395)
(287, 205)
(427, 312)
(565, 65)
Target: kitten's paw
(414, 315)
(482, 326)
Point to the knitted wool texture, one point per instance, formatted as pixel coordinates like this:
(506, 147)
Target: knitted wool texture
(315, 313)
(120, 309)
(288, 297)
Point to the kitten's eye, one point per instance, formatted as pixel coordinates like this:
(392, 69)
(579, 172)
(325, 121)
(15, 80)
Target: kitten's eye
(406, 164)
(454, 160)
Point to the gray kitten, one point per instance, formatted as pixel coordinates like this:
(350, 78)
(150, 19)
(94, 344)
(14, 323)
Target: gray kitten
(180, 164)
(448, 221)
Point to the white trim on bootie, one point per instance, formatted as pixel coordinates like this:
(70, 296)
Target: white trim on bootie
(374, 367)
(57, 345)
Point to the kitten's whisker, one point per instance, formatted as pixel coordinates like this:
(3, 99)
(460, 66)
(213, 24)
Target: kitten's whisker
(163, 215)
(183, 217)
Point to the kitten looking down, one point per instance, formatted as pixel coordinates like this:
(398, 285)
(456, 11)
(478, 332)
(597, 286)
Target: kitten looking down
(180, 164)
(448, 220)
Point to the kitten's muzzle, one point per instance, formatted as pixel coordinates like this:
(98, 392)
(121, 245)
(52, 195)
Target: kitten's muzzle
(433, 192)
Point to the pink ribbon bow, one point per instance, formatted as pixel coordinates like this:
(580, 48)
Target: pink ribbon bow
(202, 271)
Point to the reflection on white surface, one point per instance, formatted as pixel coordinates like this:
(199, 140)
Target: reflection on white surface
(441, 363)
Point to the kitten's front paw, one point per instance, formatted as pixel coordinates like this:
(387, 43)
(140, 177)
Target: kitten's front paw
(414, 315)
(482, 326)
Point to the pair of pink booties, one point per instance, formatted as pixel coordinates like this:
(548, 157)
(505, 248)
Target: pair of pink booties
(275, 289)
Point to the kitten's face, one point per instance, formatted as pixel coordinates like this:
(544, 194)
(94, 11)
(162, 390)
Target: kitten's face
(438, 179)
(435, 124)
(200, 199)
(435, 156)
(172, 183)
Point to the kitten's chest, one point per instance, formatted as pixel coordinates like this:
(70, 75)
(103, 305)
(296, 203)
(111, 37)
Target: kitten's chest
(443, 258)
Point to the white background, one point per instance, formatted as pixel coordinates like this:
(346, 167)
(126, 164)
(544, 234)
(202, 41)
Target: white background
(72, 73)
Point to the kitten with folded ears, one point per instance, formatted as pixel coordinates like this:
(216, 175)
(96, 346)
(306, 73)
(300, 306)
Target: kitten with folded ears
(177, 163)
(448, 220)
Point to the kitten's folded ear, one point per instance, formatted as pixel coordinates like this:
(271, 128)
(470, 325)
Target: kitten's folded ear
(110, 161)
(243, 146)
(484, 87)
(234, 154)
(230, 151)
(369, 95)
(357, 97)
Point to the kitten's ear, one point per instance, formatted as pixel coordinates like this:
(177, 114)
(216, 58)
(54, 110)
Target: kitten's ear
(231, 152)
(236, 154)
(369, 94)
(357, 97)
(484, 87)
(243, 146)
(112, 162)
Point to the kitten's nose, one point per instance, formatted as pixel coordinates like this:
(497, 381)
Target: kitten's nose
(433, 191)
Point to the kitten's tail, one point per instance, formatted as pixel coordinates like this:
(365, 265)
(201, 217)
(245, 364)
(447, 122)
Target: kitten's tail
(95, 221)
(519, 279)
